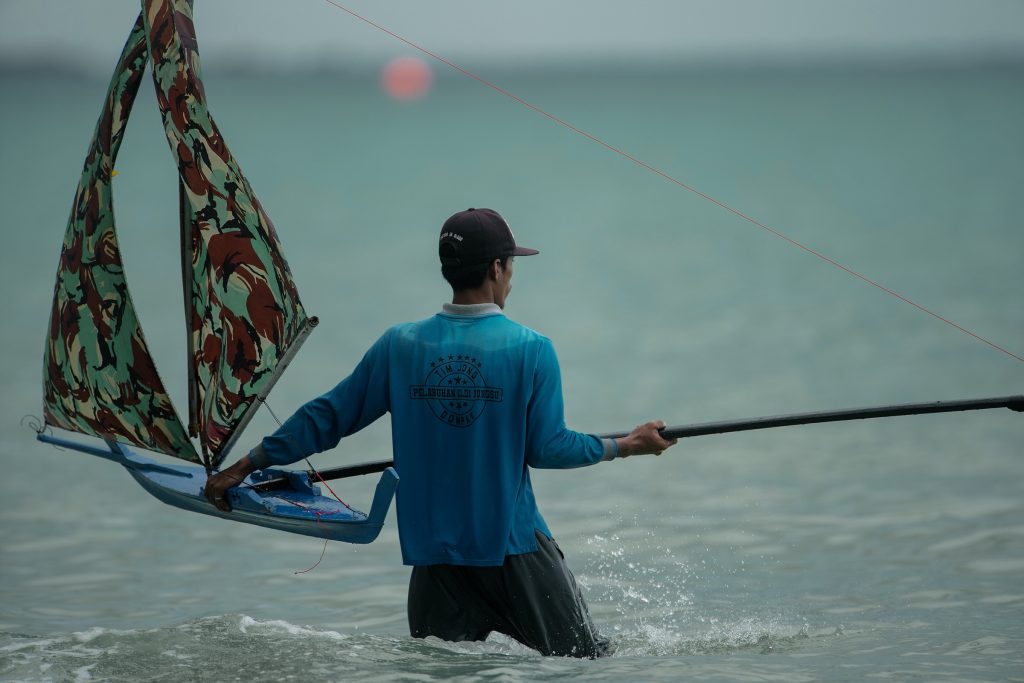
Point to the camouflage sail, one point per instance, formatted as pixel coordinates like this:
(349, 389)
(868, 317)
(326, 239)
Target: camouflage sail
(243, 311)
(99, 377)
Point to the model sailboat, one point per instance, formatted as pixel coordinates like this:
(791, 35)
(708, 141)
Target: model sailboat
(245, 320)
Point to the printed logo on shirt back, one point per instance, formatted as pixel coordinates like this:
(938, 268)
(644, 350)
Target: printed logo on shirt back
(455, 390)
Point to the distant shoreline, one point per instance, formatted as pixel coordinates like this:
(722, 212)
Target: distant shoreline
(360, 70)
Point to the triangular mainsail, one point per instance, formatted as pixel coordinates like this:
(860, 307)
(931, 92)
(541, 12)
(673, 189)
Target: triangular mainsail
(99, 377)
(243, 311)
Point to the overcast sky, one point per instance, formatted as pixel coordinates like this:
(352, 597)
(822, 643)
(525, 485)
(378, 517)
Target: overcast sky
(295, 33)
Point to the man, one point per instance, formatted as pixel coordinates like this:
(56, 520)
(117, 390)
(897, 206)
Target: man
(475, 401)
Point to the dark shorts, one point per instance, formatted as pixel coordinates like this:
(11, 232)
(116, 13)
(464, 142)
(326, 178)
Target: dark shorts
(533, 598)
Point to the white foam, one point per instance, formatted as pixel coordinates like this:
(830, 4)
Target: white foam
(496, 644)
(83, 673)
(281, 626)
(27, 645)
(93, 633)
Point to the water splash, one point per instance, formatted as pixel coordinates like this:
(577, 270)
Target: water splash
(646, 590)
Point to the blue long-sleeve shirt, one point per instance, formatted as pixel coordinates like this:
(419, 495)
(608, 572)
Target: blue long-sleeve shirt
(475, 400)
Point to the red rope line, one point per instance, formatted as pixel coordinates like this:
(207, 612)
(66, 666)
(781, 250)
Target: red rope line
(311, 468)
(673, 180)
(324, 482)
(317, 513)
(317, 563)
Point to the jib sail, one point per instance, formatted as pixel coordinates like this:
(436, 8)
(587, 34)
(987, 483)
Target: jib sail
(243, 313)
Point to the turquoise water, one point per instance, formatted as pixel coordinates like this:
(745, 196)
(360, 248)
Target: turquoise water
(891, 548)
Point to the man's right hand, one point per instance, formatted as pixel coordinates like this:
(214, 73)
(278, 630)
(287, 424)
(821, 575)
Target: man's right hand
(218, 484)
(645, 439)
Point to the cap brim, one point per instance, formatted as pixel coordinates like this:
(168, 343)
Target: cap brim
(524, 251)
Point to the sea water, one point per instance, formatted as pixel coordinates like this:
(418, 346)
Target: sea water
(880, 549)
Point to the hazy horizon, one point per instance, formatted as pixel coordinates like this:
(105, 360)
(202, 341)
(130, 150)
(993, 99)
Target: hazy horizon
(261, 35)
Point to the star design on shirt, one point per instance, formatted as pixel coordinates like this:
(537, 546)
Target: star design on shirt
(461, 358)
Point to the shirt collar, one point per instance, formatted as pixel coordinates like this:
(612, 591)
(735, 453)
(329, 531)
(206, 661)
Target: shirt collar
(471, 310)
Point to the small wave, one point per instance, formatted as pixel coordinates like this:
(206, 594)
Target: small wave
(279, 626)
(217, 648)
(168, 653)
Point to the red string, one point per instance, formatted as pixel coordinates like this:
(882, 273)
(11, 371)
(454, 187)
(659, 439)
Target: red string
(311, 468)
(317, 513)
(317, 563)
(669, 178)
(324, 482)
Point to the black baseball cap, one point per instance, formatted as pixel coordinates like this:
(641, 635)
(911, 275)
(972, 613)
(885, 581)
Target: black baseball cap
(477, 236)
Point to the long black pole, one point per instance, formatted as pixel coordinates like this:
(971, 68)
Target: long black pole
(705, 428)
(1012, 402)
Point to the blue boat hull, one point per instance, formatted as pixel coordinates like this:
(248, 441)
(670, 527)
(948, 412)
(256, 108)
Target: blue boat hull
(296, 507)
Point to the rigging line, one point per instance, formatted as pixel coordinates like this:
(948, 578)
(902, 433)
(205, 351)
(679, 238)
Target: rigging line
(311, 468)
(323, 551)
(673, 180)
(316, 513)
